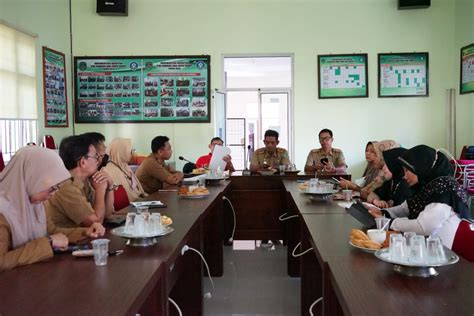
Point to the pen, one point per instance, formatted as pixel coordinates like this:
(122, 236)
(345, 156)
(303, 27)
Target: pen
(116, 252)
(335, 179)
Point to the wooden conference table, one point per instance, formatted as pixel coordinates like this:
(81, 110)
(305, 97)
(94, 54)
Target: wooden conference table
(138, 281)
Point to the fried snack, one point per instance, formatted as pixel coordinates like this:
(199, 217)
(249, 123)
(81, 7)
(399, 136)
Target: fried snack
(371, 244)
(358, 234)
(357, 242)
(199, 191)
(199, 171)
(303, 186)
(183, 190)
(166, 221)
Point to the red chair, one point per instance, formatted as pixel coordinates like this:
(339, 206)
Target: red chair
(120, 198)
(48, 142)
(2, 163)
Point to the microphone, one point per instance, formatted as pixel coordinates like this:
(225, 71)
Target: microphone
(182, 158)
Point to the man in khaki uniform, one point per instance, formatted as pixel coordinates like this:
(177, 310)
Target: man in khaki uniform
(89, 197)
(326, 158)
(269, 156)
(153, 172)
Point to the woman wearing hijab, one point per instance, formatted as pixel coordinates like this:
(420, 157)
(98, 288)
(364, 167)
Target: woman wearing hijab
(373, 174)
(438, 204)
(120, 152)
(30, 178)
(395, 190)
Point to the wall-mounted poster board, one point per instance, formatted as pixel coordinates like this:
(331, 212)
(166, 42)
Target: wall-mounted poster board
(343, 76)
(142, 89)
(403, 75)
(467, 69)
(54, 89)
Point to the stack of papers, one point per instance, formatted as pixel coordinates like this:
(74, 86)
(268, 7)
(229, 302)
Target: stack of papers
(345, 204)
(147, 203)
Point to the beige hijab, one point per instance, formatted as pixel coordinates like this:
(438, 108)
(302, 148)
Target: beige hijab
(31, 170)
(120, 153)
(380, 147)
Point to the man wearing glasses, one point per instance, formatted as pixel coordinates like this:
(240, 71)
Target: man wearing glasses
(270, 156)
(326, 158)
(89, 197)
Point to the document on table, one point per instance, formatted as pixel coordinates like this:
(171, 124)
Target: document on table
(217, 154)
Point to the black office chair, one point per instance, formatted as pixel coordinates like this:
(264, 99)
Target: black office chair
(188, 167)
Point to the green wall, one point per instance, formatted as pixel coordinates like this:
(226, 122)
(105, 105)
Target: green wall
(49, 19)
(304, 28)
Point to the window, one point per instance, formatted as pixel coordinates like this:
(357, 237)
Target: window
(258, 98)
(18, 110)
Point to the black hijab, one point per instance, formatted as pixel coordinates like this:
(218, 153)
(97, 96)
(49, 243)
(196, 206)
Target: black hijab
(436, 183)
(396, 189)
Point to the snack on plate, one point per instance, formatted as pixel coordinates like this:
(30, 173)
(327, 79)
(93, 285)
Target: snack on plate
(192, 190)
(360, 239)
(386, 243)
(199, 171)
(303, 186)
(358, 234)
(166, 221)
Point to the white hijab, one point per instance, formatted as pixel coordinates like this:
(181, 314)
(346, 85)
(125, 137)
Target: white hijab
(31, 170)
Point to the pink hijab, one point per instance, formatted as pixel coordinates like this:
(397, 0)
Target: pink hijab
(31, 170)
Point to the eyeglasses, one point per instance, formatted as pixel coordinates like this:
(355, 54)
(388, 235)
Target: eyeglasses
(322, 139)
(96, 157)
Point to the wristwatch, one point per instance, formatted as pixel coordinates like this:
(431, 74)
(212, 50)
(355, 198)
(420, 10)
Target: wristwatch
(113, 187)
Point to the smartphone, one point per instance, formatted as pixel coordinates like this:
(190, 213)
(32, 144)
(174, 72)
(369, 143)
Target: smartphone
(324, 161)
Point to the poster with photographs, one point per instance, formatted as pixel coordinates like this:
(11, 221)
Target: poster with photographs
(54, 86)
(467, 69)
(142, 89)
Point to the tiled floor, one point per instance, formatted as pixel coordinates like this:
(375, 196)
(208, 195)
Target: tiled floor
(255, 283)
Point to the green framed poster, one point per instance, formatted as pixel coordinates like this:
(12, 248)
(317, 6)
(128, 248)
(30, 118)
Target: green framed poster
(142, 89)
(467, 70)
(54, 89)
(343, 76)
(403, 75)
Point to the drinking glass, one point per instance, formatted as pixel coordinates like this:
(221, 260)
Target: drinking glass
(282, 169)
(139, 225)
(101, 251)
(312, 186)
(141, 209)
(435, 250)
(129, 222)
(397, 248)
(155, 223)
(408, 238)
(417, 251)
(381, 221)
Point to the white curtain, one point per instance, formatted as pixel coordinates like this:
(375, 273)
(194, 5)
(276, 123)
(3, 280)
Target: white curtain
(17, 74)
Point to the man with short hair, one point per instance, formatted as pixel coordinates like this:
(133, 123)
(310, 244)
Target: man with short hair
(89, 197)
(204, 161)
(153, 173)
(98, 140)
(270, 156)
(326, 158)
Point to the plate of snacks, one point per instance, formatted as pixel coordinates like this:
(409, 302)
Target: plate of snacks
(193, 192)
(199, 171)
(360, 240)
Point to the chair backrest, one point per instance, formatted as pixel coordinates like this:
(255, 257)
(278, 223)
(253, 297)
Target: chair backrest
(469, 178)
(48, 142)
(461, 167)
(2, 163)
(120, 198)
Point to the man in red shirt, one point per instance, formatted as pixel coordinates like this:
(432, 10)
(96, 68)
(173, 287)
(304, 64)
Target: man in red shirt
(204, 161)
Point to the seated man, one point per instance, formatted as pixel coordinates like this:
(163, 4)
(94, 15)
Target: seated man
(89, 197)
(269, 156)
(204, 161)
(153, 172)
(326, 158)
(98, 140)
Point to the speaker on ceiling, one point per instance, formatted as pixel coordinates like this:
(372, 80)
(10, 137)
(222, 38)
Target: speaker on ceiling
(112, 7)
(413, 4)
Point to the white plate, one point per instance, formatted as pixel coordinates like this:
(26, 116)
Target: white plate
(318, 193)
(368, 250)
(120, 231)
(200, 196)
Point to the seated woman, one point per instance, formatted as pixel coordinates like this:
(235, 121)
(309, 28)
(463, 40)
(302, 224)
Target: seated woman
(395, 190)
(373, 175)
(438, 204)
(30, 178)
(120, 154)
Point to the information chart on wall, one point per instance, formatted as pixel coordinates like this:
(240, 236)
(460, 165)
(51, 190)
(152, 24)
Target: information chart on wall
(54, 88)
(403, 75)
(142, 89)
(467, 69)
(342, 76)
